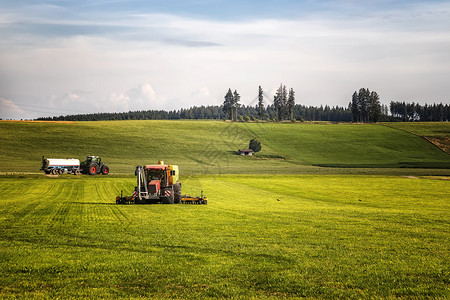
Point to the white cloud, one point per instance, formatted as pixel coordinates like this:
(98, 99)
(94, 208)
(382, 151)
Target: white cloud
(9, 110)
(142, 97)
(156, 61)
(147, 92)
(119, 102)
(201, 92)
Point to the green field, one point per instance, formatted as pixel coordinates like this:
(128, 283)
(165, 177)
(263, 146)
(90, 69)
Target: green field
(437, 133)
(305, 218)
(327, 237)
(209, 147)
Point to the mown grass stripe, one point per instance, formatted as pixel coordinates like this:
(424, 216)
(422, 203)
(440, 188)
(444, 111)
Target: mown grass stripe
(318, 241)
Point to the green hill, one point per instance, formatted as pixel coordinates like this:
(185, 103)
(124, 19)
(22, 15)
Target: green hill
(209, 147)
(262, 235)
(437, 133)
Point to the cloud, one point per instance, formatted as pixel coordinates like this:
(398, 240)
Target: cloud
(201, 92)
(142, 97)
(130, 61)
(119, 102)
(9, 110)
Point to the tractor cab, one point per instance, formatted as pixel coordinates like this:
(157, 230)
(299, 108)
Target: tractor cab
(158, 183)
(156, 173)
(92, 159)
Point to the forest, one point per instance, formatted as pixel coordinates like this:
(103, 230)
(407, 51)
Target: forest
(396, 112)
(364, 107)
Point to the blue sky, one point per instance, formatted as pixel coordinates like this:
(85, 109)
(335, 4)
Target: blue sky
(67, 57)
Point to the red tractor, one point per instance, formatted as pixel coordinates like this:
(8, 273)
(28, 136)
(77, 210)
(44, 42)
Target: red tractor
(158, 184)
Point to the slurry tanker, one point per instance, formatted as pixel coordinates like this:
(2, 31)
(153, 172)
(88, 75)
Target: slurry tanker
(92, 165)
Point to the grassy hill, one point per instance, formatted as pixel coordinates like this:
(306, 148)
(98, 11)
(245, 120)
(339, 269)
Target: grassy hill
(208, 147)
(437, 133)
(270, 233)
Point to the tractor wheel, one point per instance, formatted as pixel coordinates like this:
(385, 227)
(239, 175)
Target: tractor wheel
(168, 199)
(105, 170)
(177, 192)
(93, 168)
(53, 172)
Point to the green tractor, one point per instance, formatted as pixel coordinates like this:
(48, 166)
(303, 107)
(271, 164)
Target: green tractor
(93, 165)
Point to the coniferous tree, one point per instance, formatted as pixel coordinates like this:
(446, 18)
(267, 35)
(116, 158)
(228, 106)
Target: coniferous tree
(228, 104)
(365, 106)
(236, 99)
(355, 107)
(280, 102)
(291, 104)
(277, 103)
(260, 103)
(284, 111)
(363, 97)
(374, 107)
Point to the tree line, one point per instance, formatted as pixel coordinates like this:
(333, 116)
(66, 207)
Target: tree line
(365, 106)
(407, 112)
(283, 104)
(269, 113)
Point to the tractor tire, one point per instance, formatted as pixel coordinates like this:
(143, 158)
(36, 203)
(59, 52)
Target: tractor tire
(93, 169)
(177, 192)
(168, 199)
(105, 170)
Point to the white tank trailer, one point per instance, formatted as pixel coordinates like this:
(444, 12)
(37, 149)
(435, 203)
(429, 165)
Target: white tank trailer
(60, 166)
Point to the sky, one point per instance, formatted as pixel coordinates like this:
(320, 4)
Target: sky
(61, 57)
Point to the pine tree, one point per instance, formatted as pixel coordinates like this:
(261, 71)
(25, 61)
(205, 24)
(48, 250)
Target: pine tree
(280, 102)
(260, 103)
(374, 107)
(236, 99)
(355, 107)
(363, 97)
(228, 104)
(284, 111)
(277, 102)
(291, 104)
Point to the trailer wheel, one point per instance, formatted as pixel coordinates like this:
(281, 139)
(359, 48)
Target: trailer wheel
(105, 170)
(53, 171)
(93, 168)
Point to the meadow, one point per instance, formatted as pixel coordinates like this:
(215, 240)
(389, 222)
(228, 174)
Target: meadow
(209, 147)
(324, 211)
(333, 236)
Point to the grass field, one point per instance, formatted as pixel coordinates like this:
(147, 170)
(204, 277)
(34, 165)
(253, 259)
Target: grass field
(332, 236)
(208, 147)
(306, 217)
(436, 132)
